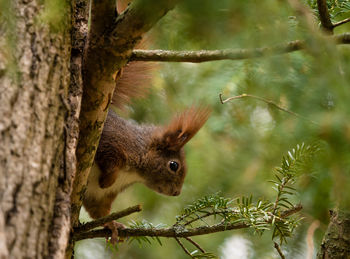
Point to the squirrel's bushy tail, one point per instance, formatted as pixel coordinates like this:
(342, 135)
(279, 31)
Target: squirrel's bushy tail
(133, 83)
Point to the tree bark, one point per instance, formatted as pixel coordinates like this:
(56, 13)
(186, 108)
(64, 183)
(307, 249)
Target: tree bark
(336, 242)
(34, 108)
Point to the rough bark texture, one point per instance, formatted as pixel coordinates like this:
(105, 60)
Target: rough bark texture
(62, 224)
(79, 32)
(336, 242)
(34, 80)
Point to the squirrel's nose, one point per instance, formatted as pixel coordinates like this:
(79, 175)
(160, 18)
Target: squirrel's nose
(176, 193)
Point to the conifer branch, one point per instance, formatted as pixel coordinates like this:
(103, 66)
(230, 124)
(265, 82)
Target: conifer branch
(195, 244)
(278, 248)
(183, 247)
(177, 231)
(259, 216)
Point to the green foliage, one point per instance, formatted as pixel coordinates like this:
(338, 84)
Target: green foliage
(296, 160)
(145, 225)
(293, 164)
(208, 204)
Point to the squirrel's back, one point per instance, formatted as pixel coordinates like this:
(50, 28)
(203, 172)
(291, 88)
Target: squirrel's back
(123, 142)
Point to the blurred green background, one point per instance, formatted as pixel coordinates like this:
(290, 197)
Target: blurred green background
(244, 140)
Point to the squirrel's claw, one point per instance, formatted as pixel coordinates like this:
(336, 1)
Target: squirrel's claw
(114, 226)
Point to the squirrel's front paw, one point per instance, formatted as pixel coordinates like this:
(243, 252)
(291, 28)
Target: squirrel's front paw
(114, 226)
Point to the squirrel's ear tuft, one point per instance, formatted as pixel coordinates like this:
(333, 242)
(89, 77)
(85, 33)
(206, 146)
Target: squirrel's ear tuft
(182, 128)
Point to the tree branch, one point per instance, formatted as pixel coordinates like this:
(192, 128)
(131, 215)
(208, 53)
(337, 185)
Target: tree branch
(175, 231)
(228, 54)
(213, 55)
(101, 221)
(183, 247)
(324, 16)
(105, 55)
(278, 248)
(341, 22)
(195, 244)
(166, 232)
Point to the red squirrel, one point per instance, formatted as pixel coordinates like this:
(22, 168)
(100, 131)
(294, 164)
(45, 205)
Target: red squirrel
(129, 152)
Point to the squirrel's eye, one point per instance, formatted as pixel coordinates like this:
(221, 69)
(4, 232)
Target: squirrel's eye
(173, 166)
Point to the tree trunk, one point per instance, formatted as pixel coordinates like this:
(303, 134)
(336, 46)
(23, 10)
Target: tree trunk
(34, 105)
(336, 242)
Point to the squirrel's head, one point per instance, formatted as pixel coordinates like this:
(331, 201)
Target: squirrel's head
(164, 164)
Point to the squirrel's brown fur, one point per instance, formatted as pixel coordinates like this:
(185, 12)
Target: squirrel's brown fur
(130, 153)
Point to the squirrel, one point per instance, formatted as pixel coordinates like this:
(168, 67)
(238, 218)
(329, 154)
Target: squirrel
(129, 152)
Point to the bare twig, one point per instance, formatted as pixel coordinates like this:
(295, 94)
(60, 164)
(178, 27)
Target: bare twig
(266, 101)
(228, 54)
(278, 248)
(195, 244)
(176, 232)
(183, 247)
(101, 221)
(341, 22)
(324, 16)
